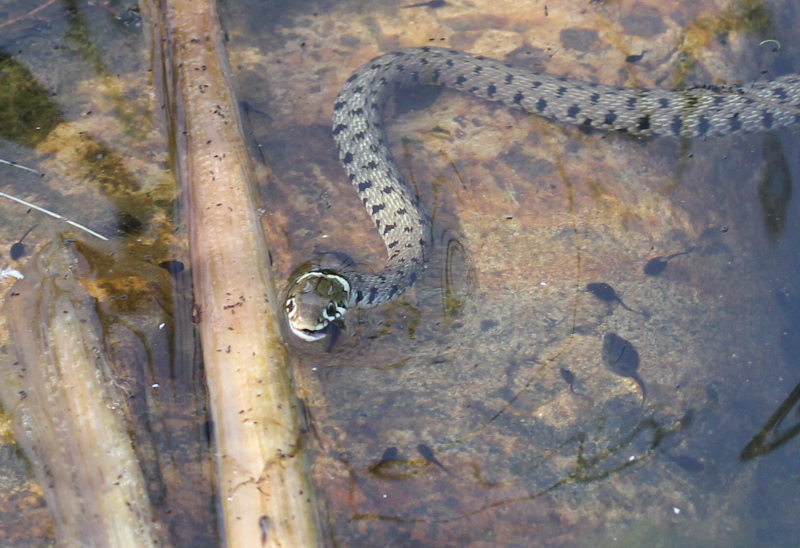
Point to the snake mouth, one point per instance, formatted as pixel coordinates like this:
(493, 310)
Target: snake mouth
(310, 335)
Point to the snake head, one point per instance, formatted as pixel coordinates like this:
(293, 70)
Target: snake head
(315, 300)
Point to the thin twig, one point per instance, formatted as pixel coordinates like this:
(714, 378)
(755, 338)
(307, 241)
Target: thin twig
(20, 166)
(52, 214)
(40, 8)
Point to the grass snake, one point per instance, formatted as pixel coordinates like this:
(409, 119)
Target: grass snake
(319, 297)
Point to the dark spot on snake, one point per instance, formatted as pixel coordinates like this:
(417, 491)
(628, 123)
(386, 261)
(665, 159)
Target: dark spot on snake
(449, 63)
(357, 112)
(719, 100)
(401, 211)
(518, 98)
(392, 245)
(372, 294)
(644, 122)
(348, 158)
(480, 58)
(423, 61)
(460, 80)
(573, 111)
(364, 186)
(352, 78)
(541, 104)
(691, 101)
(611, 116)
(478, 70)
(509, 78)
(632, 102)
(735, 123)
(338, 129)
(491, 90)
(663, 102)
(677, 123)
(412, 278)
(388, 189)
(372, 164)
(358, 89)
(702, 125)
(536, 84)
(767, 119)
(780, 93)
(561, 91)
(359, 136)
(594, 98)
(377, 208)
(393, 290)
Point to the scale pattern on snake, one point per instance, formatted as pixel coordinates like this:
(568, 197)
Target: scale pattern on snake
(317, 298)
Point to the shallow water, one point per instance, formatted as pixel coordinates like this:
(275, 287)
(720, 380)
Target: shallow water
(526, 214)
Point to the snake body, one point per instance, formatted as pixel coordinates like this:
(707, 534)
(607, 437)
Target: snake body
(317, 298)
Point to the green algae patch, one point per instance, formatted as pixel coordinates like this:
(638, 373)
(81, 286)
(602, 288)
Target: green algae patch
(27, 113)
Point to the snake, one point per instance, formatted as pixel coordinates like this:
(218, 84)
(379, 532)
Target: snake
(317, 298)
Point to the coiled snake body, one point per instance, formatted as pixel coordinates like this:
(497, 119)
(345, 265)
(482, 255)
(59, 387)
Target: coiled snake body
(316, 298)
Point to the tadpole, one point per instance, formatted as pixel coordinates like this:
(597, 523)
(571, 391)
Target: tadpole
(18, 249)
(427, 454)
(621, 358)
(606, 293)
(687, 462)
(568, 376)
(657, 265)
(433, 4)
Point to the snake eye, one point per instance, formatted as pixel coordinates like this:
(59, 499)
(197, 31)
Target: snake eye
(331, 310)
(290, 305)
